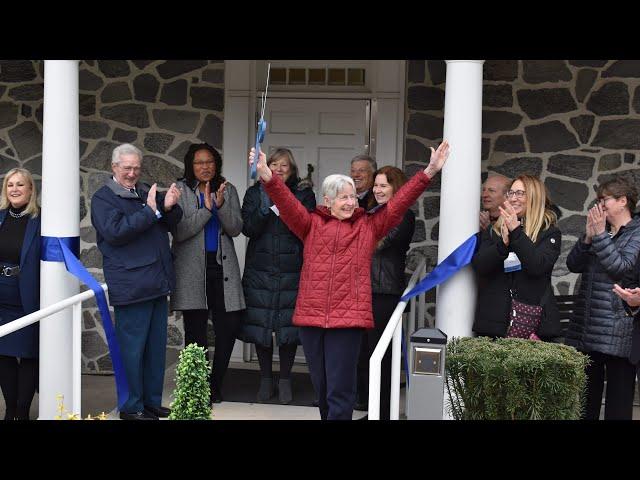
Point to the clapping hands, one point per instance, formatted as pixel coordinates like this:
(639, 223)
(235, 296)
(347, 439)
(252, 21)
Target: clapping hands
(170, 198)
(630, 295)
(596, 222)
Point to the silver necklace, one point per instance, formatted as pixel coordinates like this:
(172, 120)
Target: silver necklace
(17, 215)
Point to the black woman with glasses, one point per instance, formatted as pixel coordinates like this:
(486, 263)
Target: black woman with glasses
(514, 260)
(606, 254)
(207, 270)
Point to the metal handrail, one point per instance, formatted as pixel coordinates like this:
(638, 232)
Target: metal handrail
(75, 303)
(393, 331)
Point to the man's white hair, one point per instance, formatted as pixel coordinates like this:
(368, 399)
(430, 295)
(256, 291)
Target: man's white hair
(124, 149)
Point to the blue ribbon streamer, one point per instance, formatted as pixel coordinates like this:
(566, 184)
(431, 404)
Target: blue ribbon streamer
(406, 357)
(262, 126)
(66, 249)
(456, 260)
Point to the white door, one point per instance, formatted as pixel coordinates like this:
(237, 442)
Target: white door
(323, 133)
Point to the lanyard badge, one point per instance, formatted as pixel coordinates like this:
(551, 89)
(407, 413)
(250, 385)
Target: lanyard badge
(262, 127)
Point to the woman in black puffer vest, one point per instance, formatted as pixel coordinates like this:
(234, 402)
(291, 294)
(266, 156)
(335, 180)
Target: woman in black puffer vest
(271, 276)
(600, 327)
(387, 276)
(527, 228)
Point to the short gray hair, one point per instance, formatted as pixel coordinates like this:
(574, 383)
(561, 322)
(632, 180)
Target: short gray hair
(367, 158)
(125, 149)
(334, 183)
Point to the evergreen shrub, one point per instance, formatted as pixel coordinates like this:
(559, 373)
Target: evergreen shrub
(514, 379)
(192, 392)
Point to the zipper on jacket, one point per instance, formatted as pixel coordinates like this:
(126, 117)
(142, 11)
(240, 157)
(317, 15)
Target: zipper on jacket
(204, 250)
(333, 258)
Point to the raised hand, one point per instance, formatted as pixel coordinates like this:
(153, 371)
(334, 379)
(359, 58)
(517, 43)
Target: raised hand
(263, 170)
(629, 295)
(485, 220)
(151, 197)
(438, 159)
(171, 197)
(509, 216)
(219, 196)
(207, 196)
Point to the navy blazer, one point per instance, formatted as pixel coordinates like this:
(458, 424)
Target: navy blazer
(137, 261)
(29, 278)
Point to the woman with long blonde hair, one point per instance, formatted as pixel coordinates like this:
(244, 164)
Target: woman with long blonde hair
(19, 290)
(515, 259)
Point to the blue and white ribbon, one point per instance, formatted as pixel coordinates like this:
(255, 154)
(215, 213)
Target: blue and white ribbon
(66, 249)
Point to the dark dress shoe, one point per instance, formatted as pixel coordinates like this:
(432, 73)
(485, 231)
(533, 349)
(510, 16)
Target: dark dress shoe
(160, 412)
(361, 406)
(136, 416)
(215, 399)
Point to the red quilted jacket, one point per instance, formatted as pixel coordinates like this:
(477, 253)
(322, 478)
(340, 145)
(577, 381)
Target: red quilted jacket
(335, 282)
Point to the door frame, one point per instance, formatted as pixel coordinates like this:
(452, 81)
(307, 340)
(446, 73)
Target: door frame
(386, 90)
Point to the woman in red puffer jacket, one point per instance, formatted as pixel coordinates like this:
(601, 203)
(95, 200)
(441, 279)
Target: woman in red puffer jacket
(334, 296)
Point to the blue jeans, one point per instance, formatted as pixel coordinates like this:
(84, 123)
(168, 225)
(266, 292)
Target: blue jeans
(141, 329)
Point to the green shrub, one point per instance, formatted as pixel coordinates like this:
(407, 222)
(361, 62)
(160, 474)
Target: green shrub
(192, 391)
(514, 379)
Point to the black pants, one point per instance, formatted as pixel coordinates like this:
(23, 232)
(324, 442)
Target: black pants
(18, 379)
(362, 383)
(620, 375)
(383, 307)
(332, 356)
(287, 354)
(225, 325)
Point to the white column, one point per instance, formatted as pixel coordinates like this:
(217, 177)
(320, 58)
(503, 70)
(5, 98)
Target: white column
(460, 191)
(60, 218)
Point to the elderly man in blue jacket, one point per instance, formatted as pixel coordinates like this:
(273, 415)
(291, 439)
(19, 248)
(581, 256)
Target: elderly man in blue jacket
(132, 221)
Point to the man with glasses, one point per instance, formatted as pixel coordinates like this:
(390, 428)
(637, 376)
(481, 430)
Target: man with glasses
(362, 170)
(132, 221)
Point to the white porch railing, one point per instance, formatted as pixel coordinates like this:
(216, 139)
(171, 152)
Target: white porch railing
(75, 303)
(393, 331)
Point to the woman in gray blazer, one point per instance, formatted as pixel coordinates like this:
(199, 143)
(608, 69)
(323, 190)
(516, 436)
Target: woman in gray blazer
(207, 270)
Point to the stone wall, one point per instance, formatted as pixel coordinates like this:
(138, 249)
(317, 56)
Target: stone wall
(161, 106)
(573, 123)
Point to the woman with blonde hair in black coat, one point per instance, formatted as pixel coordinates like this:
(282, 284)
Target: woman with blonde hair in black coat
(527, 238)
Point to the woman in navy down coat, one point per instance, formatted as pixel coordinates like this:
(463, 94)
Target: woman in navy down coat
(271, 275)
(607, 255)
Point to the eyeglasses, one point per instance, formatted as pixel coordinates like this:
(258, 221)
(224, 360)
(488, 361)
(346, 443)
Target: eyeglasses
(130, 169)
(344, 198)
(604, 199)
(208, 162)
(516, 193)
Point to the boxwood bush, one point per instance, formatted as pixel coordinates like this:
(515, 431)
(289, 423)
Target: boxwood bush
(514, 379)
(192, 390)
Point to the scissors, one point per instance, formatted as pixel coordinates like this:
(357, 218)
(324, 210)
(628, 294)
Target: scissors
(262, 127)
